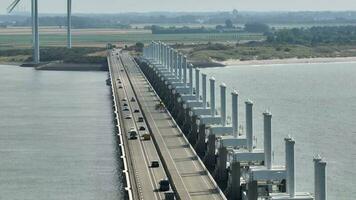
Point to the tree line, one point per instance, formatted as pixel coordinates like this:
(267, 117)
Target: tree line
(314, 35)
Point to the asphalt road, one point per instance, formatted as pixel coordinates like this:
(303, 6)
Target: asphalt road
(190, 178)
(140, 152)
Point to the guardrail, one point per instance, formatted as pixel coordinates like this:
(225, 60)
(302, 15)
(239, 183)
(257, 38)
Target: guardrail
(123, 157)
(185, 138)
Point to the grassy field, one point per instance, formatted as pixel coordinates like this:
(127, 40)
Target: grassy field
(212, 52)
(12, 38)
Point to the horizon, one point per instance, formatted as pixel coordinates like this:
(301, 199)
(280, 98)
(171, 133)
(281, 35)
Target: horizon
(140, 6)
(19, 13)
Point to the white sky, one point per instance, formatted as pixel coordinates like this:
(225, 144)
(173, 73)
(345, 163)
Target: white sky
(119, 6)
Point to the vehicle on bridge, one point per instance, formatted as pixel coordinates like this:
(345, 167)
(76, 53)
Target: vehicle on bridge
(164, 185)
(146, 136)
(140, 119)
(133, 134)
(160, 106)
(155, 164)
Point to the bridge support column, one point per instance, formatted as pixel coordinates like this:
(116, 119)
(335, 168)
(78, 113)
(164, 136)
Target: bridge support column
(181, 113)
(252, 190)
(175, 105)
(200, 146)
(187, 121)
(233, 190)
(209, 158)
(192, 137)
(220, 172)
(212, 96)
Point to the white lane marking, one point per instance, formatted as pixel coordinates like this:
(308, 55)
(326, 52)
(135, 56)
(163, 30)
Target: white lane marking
(160, 134)
(129, 90)
(136, 172)
(181, 142)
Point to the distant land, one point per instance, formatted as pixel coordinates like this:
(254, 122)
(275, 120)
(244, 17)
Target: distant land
(209, 38)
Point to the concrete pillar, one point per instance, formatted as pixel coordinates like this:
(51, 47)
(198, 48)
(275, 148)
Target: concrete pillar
(316, 161)
(176, 63)
(197, 86)
(185, 66)
(154, 51)
(193, 134)
(180, 66)
(290, 166)
(252, 190)
(212, 96)
(159, 46)
(322, 181)
(234, 190)
(209, 158)
(167, 57)
(204, 89)
(161, 53)
(220, 170)
(267, 139)
(171, 60)
(320, 184)
(235, 111)
(200, 146)
(191, 78)
(249, 125)
(223, 103)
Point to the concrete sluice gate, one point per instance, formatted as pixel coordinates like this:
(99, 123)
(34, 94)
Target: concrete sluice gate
(243, 171)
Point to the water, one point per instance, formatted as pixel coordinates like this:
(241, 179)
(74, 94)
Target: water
(56, 136)
(316, 104)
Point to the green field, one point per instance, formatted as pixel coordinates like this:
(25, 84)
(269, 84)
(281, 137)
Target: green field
(16, 41)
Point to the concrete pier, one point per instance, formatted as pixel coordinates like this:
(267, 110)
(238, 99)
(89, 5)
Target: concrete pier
(180, 88)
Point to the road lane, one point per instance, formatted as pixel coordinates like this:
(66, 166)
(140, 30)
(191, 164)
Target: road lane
(185, 168)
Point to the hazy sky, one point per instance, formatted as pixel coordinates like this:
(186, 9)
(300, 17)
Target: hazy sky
(116, 6)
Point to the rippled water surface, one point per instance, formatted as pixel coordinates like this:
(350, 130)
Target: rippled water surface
(314, 103)
(56, 136)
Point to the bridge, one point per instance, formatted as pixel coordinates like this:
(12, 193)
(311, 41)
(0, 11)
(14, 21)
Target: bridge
(202, 156)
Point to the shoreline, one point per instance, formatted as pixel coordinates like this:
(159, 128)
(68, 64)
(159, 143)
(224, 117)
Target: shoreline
(232, 62)
(59, 66)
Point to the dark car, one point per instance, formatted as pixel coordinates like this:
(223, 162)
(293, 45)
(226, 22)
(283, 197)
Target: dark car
(164, 185)
(142, 128)
(136, 111)
(140, 119)
(154, 164)
(133, 99)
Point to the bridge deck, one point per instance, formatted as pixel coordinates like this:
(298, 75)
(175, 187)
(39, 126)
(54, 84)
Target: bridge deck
(144, 180)
(190, 178)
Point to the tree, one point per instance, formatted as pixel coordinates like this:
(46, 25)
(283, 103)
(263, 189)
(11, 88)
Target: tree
(139, 46)
(229, 24)
(235, 12)
(256, 27)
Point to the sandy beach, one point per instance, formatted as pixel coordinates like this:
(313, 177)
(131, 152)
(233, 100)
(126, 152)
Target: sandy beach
(288, 61)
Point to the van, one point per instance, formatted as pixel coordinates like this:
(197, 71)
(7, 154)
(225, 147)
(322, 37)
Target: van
(164, 185)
